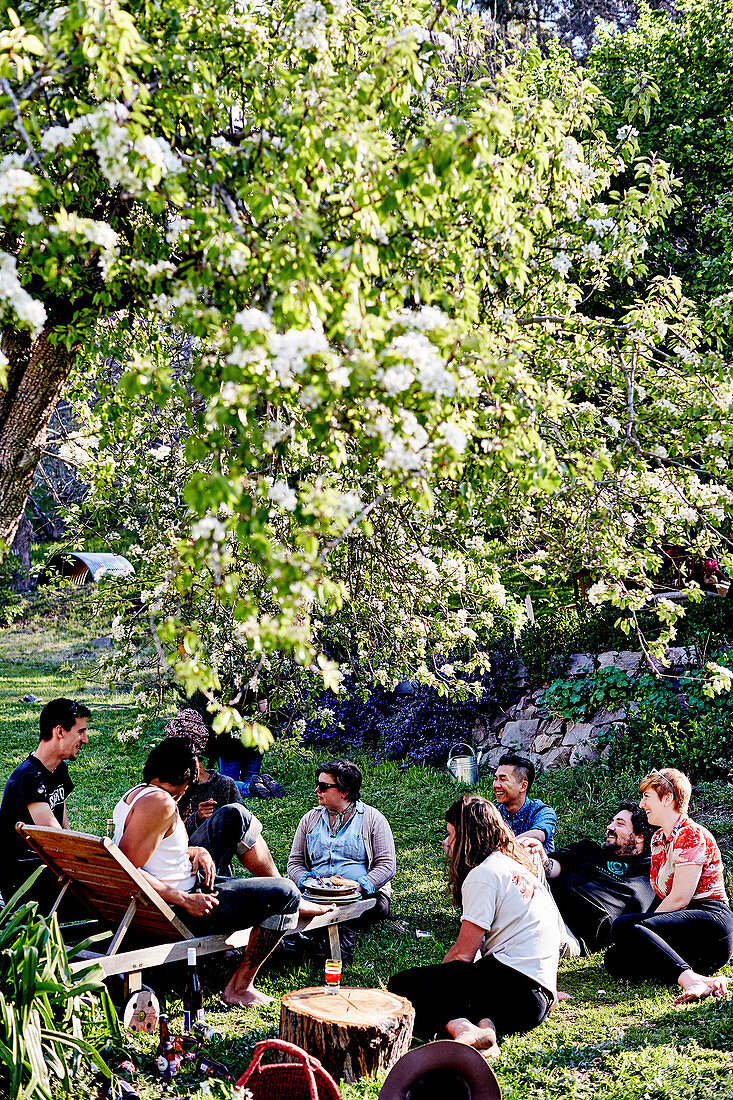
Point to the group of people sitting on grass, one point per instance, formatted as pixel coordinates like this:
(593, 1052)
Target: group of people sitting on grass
(182, 827)
(652, 895)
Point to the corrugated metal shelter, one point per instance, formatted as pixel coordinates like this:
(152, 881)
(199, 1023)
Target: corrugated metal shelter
(83, 568)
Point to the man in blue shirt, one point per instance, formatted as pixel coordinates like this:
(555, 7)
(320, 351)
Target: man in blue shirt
(526, 817)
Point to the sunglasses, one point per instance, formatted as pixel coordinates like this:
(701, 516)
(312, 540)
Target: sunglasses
(323, 787)
(664, 779)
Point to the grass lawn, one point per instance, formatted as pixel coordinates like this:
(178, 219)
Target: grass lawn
(612, 1038)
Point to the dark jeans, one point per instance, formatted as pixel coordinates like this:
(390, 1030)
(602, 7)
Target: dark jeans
(487, 988)
(223, 832)
(662, 945)
(243, 902)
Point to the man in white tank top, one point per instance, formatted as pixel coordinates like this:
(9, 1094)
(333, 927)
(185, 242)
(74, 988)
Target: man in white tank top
(150, 832)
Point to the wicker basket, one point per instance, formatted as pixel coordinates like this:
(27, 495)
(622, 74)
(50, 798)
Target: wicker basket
(304, 1079)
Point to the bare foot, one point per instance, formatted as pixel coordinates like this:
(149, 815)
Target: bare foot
(561, 996)
(245, 998)
(312, 909)
(481, 1037)
(695, 987)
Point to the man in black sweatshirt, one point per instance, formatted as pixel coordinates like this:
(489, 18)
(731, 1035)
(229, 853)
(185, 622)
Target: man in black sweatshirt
(593, 884)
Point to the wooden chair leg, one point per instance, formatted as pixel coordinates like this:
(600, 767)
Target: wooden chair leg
(335, 942)
(132, 983)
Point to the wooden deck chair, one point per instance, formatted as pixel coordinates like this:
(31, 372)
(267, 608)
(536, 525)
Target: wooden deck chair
(96, 872)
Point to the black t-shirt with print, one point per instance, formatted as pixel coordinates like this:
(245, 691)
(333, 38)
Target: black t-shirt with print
(594, 887)
(30, 782)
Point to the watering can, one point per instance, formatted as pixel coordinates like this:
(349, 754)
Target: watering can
(463, 762)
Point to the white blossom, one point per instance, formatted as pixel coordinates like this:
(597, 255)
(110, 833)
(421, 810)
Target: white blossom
(57, 137)
(561, 263)
(229, 393)
(424, 319)
(26, 309)
(339, 375)
(276, 433)
(396, 379)
(160, 453)
(14, 183)
(571, 155)
(252, 320)
(592, 250)
(56, 17)
(598, 592)
(349, 504)
(412, 33)
(291, 349)
(625, 133)
(309, 27)
(426, 361)
(309, 398)
(281, 494)
(100, 233)
(176, 226)
(453, 436)
(208, 528)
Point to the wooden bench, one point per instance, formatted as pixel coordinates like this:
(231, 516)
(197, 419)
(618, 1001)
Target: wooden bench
(99, 875)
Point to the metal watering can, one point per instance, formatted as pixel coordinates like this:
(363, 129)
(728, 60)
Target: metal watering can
(463, 762)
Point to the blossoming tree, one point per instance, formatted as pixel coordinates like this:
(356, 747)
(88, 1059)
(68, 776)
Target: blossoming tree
(379, 264)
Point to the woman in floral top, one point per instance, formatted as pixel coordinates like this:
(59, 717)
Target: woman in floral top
(687, 933)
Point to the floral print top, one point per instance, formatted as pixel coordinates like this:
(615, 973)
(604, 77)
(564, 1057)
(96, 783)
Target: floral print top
(688, 843)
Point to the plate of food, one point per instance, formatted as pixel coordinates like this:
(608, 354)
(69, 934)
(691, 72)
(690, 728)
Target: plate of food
(334, 888)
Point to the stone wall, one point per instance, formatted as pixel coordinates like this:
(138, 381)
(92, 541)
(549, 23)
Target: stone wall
(554, 742)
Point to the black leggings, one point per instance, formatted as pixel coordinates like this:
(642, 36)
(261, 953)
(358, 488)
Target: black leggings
(487, 988)
(662, 945)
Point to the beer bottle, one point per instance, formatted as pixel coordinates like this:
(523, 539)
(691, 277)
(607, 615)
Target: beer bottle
(193, 998)
(166, 1057)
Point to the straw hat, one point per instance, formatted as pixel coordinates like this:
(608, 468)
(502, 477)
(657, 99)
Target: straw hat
(438, 1071)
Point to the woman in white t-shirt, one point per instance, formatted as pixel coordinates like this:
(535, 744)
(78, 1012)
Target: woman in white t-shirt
(499, 978)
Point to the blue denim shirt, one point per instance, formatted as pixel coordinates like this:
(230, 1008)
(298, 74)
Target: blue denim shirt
(532, 815)
(343, 854)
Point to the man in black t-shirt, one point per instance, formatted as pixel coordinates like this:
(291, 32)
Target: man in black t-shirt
(593, 884)
(36, 793)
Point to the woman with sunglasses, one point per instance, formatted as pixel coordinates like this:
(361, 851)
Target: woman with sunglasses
(687, 934)
(500, 976)
(345, 837)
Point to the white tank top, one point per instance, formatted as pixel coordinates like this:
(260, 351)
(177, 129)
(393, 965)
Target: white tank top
(170, 861)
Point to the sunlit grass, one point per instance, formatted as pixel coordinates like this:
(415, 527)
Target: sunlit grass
(613, 1039)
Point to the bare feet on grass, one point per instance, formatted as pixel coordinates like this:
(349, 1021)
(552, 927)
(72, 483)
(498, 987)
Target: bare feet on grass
(244, 998)
(696, 987)
(481, 1036)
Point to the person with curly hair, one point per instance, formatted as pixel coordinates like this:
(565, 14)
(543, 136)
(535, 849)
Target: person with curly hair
(500, 976)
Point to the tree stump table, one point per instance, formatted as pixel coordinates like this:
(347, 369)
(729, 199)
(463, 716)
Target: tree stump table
(354, 1032)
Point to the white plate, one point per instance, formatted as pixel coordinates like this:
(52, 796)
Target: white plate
(335, 899)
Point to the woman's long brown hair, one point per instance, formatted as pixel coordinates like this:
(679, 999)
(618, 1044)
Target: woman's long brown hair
(480, 830)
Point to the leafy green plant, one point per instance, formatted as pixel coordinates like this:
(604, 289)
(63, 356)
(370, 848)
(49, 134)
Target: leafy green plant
(577, 699)
(41, 1040)
(691, 731)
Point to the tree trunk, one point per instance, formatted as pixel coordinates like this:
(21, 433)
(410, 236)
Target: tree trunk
(37, 371)
(354, 1033)
(21, 549)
